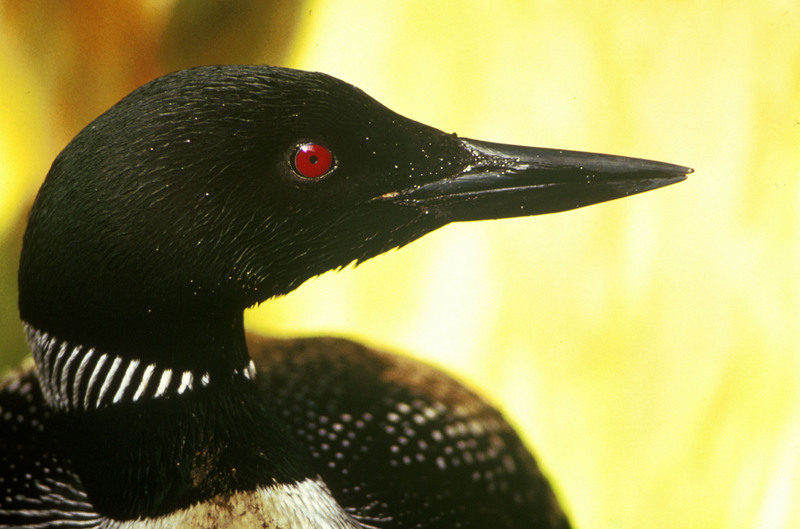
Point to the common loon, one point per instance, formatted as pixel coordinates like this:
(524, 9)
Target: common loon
(207, 191)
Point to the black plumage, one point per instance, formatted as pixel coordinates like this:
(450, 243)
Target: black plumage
(207, 191)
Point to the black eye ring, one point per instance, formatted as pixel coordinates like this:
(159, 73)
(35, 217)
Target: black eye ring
(312, 160)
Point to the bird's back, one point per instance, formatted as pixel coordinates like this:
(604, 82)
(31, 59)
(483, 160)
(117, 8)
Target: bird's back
(398, 441)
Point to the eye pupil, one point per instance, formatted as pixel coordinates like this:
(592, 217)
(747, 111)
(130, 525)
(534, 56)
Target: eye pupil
(312, 160)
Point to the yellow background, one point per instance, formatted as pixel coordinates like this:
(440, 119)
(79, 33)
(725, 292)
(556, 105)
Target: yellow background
(648, 349)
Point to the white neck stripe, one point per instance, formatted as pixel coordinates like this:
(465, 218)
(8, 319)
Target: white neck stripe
(126, 380)
(186, 382)
(166, 376)
(97, 367)
(79, 375)
(60, 356)
(107, 381)
(148, 372)
(61, 368)
(65, 369)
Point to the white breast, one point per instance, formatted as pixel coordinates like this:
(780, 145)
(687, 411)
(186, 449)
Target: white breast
(305, 505)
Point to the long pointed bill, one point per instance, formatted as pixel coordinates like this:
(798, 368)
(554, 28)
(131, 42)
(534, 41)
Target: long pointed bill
(512, 181)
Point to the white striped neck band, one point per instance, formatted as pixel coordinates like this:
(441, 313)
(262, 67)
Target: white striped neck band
(76, 377)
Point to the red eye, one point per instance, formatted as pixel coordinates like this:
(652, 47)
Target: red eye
(312, 160)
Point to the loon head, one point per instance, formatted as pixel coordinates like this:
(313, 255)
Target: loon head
(212, 189)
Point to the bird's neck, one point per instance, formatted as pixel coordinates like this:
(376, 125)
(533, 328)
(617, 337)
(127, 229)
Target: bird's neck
(148, 436)
(82, 375)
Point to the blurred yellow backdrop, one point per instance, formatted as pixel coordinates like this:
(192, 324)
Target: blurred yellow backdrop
(648, 349)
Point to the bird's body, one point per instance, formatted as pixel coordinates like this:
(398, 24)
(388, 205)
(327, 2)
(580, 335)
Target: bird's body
(391, 441)
(207, 191)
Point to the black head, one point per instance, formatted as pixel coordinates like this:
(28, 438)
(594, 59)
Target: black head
(211, 189)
